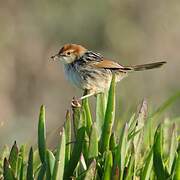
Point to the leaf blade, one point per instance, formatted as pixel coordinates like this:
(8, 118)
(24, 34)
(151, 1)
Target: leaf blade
(60, 158)
(42, 135)
(109, 118)
(30, 175)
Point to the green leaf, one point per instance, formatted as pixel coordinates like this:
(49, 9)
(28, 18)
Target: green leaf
(68, 137)
(42, 172)
(177, 166)
(86, 108)
(13, 157)
(173, 147)
(42, 135)
(30, 166)
(120, 154)
(76, 153)
(139, 126)
(112, 142)
(132, 123)
(133, 134)
(93, 144)
(138, 138)
(50, 163)
(36, 162)
(146, 172)
(129, 171)
(82, 167)
(20, 164)
(108, 165)
(91, 172)
(4, 153)
(109, 118)
(7, 171)
(22, 154)
(60, 158)
(158, 163)
(85, 146)
(101, 102)
(78, 119)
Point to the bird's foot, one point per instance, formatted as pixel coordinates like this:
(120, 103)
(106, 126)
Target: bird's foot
(75, 102)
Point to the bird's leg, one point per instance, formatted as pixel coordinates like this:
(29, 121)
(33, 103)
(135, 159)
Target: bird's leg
(87, 93)
(86, 96)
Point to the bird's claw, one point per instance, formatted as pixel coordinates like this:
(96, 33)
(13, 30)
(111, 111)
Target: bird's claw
(75, 103)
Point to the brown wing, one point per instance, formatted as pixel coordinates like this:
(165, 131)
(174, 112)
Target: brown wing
(108, 64)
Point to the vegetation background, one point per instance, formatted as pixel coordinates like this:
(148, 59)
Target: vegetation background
(128, 31)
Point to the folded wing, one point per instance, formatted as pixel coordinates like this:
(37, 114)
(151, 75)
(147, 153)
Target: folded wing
(112, 65)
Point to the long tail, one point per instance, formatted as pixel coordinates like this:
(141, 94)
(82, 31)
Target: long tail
(143, 67)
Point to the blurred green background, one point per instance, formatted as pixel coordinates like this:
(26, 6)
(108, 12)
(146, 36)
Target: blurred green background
(128, 31)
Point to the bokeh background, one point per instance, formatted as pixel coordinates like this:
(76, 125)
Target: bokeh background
(128, 31)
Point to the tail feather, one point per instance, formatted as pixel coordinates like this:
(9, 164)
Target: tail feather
(143, 67)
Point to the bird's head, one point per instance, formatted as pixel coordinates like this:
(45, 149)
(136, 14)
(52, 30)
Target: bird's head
(69, 53)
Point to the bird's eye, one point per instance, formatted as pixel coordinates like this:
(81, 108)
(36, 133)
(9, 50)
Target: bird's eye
(68, 53)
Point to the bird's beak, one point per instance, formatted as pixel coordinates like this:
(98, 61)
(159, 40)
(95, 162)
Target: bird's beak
(55, 57)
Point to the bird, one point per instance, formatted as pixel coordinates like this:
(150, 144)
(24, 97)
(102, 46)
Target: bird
(92, 72)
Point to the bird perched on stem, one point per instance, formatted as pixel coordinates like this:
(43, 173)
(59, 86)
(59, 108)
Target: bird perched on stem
(92, 72)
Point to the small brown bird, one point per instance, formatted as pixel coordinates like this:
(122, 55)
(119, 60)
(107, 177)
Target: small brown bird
(92, 72)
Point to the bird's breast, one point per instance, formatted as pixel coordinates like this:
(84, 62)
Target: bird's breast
(72, 74)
